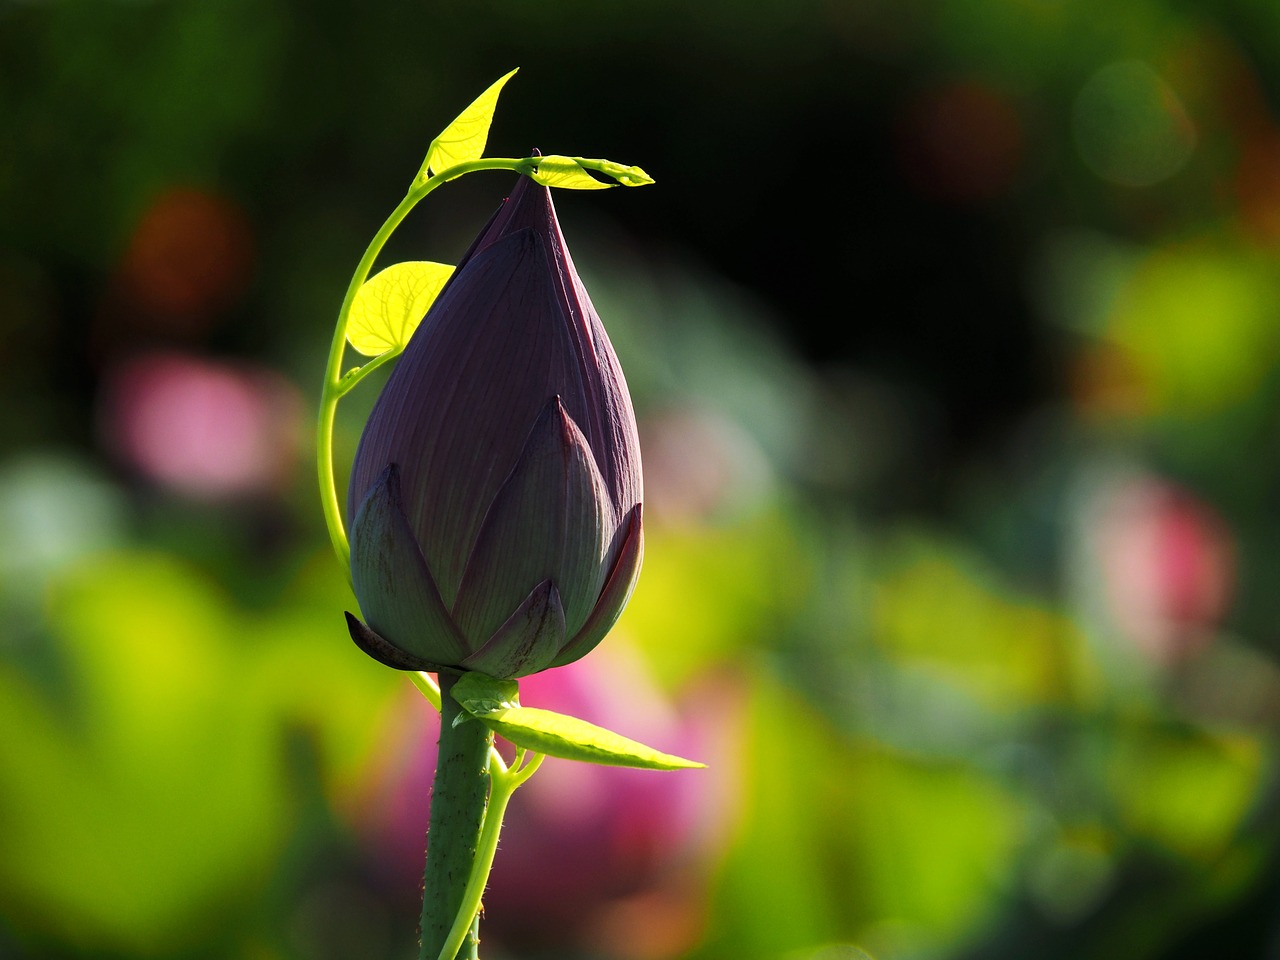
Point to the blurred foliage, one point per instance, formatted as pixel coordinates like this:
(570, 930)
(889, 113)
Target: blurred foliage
(953, 331)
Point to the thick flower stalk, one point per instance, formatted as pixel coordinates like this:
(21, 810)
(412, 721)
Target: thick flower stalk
(494, 503)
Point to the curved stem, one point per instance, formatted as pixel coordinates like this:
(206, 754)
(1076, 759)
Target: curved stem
(352, 377)
(332, 380)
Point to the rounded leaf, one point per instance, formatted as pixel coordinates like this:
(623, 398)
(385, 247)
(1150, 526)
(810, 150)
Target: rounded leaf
(389, 306)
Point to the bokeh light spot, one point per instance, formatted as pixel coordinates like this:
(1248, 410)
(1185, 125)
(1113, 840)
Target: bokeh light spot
(54, 510)
(1130, 127)
(1199, 326)
(1258, 187)
(189, 257)
(961, 142)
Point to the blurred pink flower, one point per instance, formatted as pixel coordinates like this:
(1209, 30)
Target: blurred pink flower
(204, 428)
(582, 844)
(1168, 566)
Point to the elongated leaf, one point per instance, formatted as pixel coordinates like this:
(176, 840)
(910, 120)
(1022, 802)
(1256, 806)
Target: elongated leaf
(559, 736)
(568, 174)
(390, 305)
(625, 175)
(496, 704)
(465, 138)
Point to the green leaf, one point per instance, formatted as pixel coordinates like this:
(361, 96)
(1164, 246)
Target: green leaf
(625, 175)
(480, 693)
(556, 735)
(391, 304)
(496, 704)
(464, 139)
(566, 173)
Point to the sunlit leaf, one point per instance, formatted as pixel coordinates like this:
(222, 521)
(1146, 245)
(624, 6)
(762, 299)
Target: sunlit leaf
(391, 304)
(495, 704)
(465, 138)
(573, 173)
(566, 173)
(625, 175)
(556, 735)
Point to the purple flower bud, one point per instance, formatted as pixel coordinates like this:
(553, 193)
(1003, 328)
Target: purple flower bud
(494, 503)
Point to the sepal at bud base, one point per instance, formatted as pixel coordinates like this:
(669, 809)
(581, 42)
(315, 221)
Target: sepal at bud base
(373, 645)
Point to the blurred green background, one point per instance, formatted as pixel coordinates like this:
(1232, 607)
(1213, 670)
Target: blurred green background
(953, 332)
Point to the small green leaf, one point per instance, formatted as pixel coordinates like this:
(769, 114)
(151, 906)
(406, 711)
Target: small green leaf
(625, 175)
(481, 694)
(559, 736)
(566, 173)
(390, 305)
(465, 138)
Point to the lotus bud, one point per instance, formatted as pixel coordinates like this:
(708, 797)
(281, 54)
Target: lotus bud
(494, 503)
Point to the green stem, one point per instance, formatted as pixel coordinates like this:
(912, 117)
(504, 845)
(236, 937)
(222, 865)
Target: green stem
(351, 379)
(459, 800)
(503, 786)
(334, 387)
(430, 690)
(332, 379)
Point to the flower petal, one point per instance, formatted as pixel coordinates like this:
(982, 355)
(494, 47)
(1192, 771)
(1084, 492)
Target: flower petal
(513, 327)
(397, 594)
(616, 593)
(550, 521)
(603, 411)
(529, 639)
(458, 407)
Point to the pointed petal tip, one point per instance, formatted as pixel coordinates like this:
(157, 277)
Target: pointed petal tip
(551, 519)
(532, 198)
(388, 480)
(528, 641)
